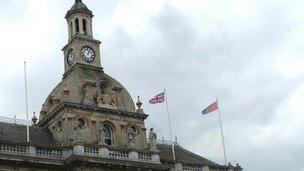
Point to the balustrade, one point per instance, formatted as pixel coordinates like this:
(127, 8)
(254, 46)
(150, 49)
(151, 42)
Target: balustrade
(192, 168)
(11, 148)
(123, 154)
(90, 150)
(144, 157)
(113, 153)
(48, 152)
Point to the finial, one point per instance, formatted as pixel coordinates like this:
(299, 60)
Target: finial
(34, 119)
(76, 1)
(139, 103)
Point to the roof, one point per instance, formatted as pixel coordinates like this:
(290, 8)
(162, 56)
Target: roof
(182, 156)
(79, 76)
(15, 133)
(11, 133)
(79, 6)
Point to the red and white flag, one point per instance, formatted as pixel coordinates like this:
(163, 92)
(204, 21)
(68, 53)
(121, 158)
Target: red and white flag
(210, 108)
(160, 98)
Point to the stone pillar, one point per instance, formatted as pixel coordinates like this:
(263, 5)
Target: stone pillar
(80, 25)
(178, 167)
(68, 126)
(94, 132)
(104, 152)
(78, 149)
(32, 151)
(133, 155)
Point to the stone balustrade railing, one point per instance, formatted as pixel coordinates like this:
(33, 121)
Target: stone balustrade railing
(144, 157)
(122, 154)
(192, 168)
(13, 148)
(186, 167)
(92, 151)
(115, 153)
(48, 152)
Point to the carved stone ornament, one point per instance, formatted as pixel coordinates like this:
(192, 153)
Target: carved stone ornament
(104, 95)
(59, 126)
(152, 140)
(56, 98)
(45, 109)
(66, 91)
(101, 135)
(77, 126)
(88, 91)
(131, 133)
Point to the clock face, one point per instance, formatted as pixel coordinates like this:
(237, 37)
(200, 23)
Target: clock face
(70, 57)
(88, 54)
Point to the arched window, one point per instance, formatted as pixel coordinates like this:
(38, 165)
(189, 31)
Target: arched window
(77, 25)
(84, 25)
(107, 135)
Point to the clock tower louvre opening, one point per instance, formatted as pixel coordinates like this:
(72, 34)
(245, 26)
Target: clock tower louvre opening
(85, 49)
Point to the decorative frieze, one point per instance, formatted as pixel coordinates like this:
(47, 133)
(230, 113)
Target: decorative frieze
(109, 111)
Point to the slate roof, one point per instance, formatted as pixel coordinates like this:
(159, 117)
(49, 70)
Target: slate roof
(182, 156)
(42, 137)
(14, 133)
(78, 6)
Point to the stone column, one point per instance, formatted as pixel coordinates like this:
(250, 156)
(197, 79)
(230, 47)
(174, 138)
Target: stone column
(94, 131)
(68, 126)
(80, 25)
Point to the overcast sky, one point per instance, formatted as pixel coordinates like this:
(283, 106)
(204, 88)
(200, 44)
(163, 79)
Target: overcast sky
(247, 53)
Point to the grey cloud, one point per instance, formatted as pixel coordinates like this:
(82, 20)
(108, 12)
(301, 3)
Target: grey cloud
(197, 68)
(229, 60)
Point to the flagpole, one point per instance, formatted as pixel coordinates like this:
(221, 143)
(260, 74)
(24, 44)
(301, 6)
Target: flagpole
(223, 141)
(168, 114)
(26, 105)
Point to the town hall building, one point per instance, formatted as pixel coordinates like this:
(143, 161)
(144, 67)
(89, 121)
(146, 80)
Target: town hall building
(89, 122)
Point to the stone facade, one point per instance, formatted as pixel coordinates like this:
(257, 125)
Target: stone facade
(89, 121)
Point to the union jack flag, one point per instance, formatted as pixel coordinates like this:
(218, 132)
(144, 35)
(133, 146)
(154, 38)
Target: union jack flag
(160, 98)
(210, 108)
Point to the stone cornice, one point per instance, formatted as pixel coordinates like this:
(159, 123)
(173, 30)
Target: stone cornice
(110, 162)
(81, 38)
(80, 65)
(51, 115)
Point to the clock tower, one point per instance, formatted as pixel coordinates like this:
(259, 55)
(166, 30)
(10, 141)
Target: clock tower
(81, 48)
